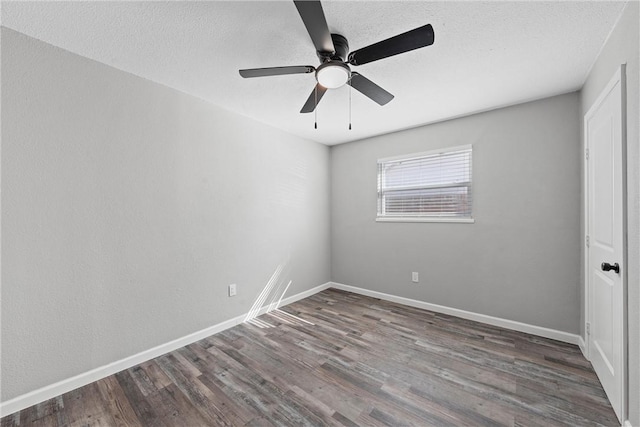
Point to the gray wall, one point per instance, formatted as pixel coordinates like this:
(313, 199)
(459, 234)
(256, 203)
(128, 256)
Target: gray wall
(518, 261)
(127, 209)
(622, 47)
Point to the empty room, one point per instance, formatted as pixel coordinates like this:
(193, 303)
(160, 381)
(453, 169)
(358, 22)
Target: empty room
(320, 213)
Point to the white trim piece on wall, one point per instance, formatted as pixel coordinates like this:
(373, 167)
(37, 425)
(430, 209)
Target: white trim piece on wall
(442, 150)
(424, 219)
(482, 318)
(45, 393)
(583, 347)
(64, 386)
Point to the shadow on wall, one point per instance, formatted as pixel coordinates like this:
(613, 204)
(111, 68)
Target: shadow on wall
(269, 300)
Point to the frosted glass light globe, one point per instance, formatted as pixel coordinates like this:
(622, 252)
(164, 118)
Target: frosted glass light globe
(332, 75)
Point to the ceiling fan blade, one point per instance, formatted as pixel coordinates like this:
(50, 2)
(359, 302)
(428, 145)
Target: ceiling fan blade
(313, 17)
(414, 39)
(311, 103)
(369, 89)
(277, 71)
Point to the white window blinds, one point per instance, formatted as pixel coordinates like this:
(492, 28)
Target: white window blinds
(428, 185)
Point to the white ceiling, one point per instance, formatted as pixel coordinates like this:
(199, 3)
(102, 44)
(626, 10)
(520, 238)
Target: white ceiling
(486, 54)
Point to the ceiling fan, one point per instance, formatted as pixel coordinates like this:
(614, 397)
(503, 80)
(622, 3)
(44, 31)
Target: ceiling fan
(334, 70)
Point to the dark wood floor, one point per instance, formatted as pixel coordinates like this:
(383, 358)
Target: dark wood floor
(338, 358)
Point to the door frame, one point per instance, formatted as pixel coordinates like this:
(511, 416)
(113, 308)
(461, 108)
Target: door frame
(619, 77)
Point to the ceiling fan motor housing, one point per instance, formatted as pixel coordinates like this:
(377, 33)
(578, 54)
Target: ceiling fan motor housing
(334, 72)
(341, 45)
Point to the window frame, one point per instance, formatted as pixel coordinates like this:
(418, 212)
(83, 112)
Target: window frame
(424, 218)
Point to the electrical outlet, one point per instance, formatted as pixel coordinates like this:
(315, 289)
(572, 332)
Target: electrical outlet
(414, 277)
(232, 290)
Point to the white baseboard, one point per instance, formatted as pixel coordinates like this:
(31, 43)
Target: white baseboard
(627, 423)
(482, 318)
(583, 347)
(288, 300)
(64, 386)
(45, 393)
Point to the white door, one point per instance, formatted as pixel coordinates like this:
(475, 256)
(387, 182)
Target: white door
(605, 254)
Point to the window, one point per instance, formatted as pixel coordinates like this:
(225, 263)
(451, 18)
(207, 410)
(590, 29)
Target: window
(432, 186)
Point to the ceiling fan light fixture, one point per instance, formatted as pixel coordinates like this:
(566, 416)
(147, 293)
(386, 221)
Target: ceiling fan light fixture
(333, 51)
(333, 75)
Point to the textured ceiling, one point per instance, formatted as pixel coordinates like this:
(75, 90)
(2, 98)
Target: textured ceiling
(486, 54)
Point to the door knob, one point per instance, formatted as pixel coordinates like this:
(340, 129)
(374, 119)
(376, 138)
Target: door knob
(607, 267)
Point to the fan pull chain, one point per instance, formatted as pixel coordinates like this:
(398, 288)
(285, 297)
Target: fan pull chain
(350, 106)
(315, 109)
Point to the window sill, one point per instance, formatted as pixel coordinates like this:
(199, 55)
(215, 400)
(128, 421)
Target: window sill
(424, 219)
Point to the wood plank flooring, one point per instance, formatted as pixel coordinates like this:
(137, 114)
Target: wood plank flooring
(341, 359)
